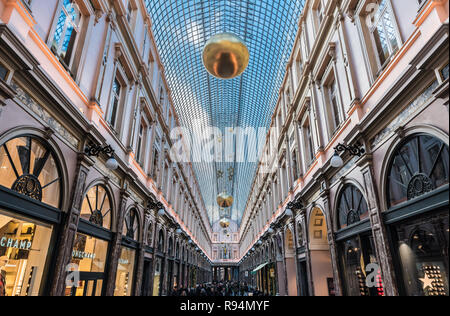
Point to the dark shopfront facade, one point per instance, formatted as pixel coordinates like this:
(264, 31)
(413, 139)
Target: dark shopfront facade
(418, 214)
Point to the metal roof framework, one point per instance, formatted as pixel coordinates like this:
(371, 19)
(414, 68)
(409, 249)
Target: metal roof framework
(181, 29)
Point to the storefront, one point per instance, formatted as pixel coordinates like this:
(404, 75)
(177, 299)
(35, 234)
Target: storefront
(91, 248)
(30, 201)
(127, 259)
(418, 215)
(356, 249)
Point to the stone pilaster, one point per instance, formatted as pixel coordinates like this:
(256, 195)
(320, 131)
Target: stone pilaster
(70, 225)
(378, 229)
(116, 245)
(332, 243)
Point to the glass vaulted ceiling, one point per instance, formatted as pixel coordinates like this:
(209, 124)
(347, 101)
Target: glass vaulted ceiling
(181, 29)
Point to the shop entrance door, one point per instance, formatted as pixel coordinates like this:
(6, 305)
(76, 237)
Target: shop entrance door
(91, 284)
(147, 275)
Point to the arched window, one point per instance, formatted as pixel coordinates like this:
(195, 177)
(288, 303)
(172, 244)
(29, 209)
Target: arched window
(96, 207)
(177, 251)
(28, 166)
(419, 165)
(352, 207)
(161, 241)
(131, 225)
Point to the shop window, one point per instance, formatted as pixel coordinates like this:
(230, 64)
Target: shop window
(67, 31)
(24, 246)
(96, 207)
(28, 166)
(125, 272)
(358, 259)
(420, 165)
(89, 257)
(423, 253)
(131, 225)
(352, 206)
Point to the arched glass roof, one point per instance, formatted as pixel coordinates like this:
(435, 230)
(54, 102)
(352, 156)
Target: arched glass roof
(181, 29)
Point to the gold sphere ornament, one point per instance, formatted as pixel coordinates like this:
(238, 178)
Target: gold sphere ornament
(225, 200)
(224, 223)
(225, 56)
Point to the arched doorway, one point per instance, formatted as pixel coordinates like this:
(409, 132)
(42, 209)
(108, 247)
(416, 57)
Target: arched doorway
(319, 253)
(291, 270)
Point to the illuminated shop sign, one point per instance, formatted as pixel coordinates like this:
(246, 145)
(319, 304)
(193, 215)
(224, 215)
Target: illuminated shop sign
(15, 243)
(82, 255)
(124, 261)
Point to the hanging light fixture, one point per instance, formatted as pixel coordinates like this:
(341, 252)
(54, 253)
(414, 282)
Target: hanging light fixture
(355, 150)
(336, 161)
(225, 200)
(224, 223)
(95, 151)
(225, 56)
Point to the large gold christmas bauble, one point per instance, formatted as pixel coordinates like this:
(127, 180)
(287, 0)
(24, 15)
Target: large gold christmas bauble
(225, 56)
(225, 200)
(224, 223)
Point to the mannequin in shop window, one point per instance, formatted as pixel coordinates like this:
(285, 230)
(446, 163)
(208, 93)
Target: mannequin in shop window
(3, 264)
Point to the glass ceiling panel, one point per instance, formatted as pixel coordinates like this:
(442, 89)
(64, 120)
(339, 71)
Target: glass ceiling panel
(181, 29)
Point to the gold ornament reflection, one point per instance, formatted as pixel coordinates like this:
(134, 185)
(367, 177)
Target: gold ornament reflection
(225, 200)
(225, 56)
(224, 223)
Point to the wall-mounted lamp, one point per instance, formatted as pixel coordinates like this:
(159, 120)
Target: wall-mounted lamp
(356, 150)
(190, 241)
(179, 230)
(270, 230)
(95, 151)
(259, 242)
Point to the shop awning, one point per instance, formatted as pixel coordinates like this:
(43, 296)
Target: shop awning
(260, 267)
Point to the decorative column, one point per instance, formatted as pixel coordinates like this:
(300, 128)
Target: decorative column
(69, 229)
(378, 228)
(331, 240)
(281, 271)
(116, 243)
(140, 264)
